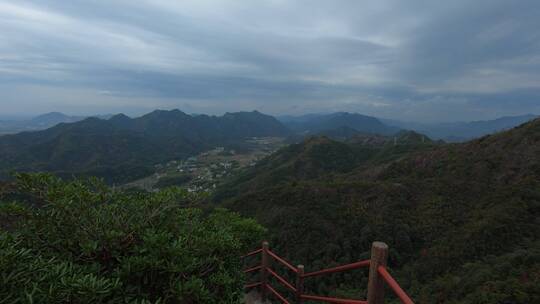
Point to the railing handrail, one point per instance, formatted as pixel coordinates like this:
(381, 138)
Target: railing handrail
(341, 268)
(252, 285)
(254, 252)
(398, 291)
(277, 294)
(281, 280)
(377, 266)
(332, 300)
(253, 269)
(282, 261)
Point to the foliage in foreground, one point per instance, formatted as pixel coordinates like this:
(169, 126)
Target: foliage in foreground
(81, 242)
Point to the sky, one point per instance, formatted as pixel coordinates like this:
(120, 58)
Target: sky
(410, 60)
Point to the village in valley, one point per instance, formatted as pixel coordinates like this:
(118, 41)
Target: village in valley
(205, 171)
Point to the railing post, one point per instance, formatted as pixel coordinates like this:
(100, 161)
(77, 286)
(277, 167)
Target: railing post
(264, 271)
(379, 255)
(299, 284)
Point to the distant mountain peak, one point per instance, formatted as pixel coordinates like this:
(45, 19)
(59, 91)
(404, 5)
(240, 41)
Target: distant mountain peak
(120, 119)
(91, 119)
(254, 112)
(339, 120)
(165, 114)
(50, 116)
(120, 116)
(160, 111)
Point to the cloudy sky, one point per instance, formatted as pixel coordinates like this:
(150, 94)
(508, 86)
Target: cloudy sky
(411, 60)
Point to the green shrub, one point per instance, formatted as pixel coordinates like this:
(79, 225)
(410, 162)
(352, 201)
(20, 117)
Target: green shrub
(81, 242)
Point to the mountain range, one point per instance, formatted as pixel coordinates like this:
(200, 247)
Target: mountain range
(120, 148)
(123, 148)
(462, 220)
(311, 124)
(351, 123)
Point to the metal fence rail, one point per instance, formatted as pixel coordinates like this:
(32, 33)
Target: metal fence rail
(378, 278)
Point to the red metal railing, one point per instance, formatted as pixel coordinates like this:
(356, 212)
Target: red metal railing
(403, 297)
(281, 280)
(338, 269)
(375, 290)
(253, 269)
(332, 300)
(277, 294)
(252, 253)
(282, 261)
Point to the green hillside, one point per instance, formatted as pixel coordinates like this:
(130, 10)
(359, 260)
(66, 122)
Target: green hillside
(122, 149)
(321, 158)
(462, 220)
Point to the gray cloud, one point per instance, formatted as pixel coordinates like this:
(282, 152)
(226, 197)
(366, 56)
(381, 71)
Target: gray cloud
(416, 60)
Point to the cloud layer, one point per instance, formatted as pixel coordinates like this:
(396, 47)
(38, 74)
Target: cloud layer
(411, 60)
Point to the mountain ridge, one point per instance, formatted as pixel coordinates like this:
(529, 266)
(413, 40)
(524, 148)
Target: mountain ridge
(312, 124)
(96, 144)
(463, 131)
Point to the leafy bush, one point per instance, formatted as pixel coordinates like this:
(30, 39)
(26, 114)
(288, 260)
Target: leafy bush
(82, 242)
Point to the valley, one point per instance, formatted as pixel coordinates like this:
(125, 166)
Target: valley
(205, 171)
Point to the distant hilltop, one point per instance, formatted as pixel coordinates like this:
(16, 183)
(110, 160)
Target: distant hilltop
(350, 124)
(463, 131)
(40, 122)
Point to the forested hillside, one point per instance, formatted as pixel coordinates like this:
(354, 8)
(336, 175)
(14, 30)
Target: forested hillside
(122, 149)
(321, 158)
(462, 220)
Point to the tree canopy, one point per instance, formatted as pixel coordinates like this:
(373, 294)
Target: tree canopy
(82, 242)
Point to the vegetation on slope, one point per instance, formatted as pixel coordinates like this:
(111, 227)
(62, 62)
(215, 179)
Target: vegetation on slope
(321, 158)
(122, 149)
(462, 221)
(81, 242)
